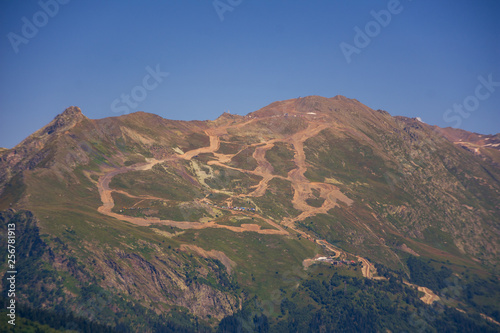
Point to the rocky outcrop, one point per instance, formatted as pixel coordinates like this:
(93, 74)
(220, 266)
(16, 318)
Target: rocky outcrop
(33, 150)
(164, 279)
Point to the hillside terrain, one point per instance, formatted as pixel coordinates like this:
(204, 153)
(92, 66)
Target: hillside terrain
(311, 214)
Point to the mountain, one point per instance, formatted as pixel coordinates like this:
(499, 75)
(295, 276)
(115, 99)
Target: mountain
(146, 224)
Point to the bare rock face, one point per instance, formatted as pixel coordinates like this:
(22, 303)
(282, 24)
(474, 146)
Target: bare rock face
(66, 120)
(31, 151)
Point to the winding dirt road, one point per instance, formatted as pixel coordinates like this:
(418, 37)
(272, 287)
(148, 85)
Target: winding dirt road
(366, 269)
(302, 187)
(429, 296)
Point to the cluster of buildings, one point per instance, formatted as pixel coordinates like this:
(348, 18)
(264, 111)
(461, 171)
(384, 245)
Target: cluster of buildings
(131, 208)
(332, 261)
(242, 209)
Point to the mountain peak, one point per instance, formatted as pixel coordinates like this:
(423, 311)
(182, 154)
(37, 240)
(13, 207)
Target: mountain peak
(72, 110)
(61, 123)
(72, 113)
(340, 98)
(66, 120)
(228, 115)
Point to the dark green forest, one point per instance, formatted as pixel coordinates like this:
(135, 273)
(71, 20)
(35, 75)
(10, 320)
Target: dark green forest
(351, 304)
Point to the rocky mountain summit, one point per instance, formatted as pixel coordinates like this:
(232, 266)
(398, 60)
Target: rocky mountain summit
(34, 149)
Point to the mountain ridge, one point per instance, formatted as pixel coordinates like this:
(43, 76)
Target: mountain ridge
(306, 177)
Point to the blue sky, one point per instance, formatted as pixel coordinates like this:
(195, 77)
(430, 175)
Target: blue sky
(428, 57)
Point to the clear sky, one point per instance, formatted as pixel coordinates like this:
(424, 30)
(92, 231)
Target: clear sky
(241, 55)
